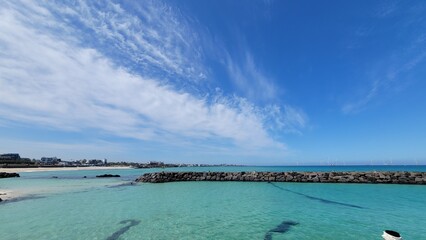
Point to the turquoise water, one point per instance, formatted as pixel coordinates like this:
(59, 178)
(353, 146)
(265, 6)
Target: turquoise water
(73, 207)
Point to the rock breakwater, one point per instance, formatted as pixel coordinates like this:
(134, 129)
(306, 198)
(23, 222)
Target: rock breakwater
(311, 177)
(107, 175)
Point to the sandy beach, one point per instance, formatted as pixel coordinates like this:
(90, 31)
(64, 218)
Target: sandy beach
(10, 194)
(7, 195)
(31, 192)
(41, 169)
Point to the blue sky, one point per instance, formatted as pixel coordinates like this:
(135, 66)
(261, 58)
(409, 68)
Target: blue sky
(252, 82)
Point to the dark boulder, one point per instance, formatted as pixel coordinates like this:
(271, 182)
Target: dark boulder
(8, 175)
(107, 175)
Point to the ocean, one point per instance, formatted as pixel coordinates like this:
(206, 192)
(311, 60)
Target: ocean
(73, 207)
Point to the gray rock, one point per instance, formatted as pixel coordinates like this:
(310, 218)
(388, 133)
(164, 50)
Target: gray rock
(8, 175)
(107, 175)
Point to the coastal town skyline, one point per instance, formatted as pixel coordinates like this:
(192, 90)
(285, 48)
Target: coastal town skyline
(259, 83)
(14, 160)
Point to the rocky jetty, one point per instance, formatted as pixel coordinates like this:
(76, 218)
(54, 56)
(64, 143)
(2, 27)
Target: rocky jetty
(107, 175)
(8, 175)
(310, 177)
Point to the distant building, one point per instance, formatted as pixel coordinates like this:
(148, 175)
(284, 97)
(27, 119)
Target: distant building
(10, 158)
(50, 160)
(96, 162)
(13, 158)
(66, 163)
(26, 160)
(154, 163)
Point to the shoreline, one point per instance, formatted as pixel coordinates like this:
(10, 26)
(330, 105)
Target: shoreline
(22, 193)
(53, 169)
(8, 195)
(13, 195)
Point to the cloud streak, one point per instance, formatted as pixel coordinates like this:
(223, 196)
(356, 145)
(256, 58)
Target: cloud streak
(154, 39)
(247, 77)
(385, 80)
(51, 76)
(391, 72)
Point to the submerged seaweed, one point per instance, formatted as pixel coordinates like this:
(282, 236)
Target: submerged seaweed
(124, 229)
(282, 228)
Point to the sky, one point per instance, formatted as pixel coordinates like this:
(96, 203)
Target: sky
(236, 82)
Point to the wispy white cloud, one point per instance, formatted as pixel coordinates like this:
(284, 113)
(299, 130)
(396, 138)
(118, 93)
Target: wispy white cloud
(49, 76)
(359, 105)
(286, 118)
(385, 80)
(255, 85)
(249, 79)
(392, 71)
(154, 37)
(386, 8)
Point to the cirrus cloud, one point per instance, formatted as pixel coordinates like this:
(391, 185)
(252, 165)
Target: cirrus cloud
(51, 76)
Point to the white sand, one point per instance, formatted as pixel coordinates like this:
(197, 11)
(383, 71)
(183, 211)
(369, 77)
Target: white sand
(10, 194)
(41, 169)
(7, 194)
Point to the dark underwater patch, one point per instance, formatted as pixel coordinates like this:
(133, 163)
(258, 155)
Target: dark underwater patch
(282, 228)
(123, 185)
(121, 231)
(18, 199)
(317, 198)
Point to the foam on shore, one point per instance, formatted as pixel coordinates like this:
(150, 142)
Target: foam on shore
(49, 169)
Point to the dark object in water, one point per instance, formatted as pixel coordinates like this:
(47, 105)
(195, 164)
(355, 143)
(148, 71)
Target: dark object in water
(121, 185)
(268, 236)
(84, 177)
(122, 230)
(331, 202)
(54, 176)
(1, 199)
(391, 235)
(8, 175)
(317, 198)
(108, 175)
(282, 228)
(18, 199)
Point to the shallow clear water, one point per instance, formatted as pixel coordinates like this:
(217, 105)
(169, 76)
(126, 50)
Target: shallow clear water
(72, 207)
